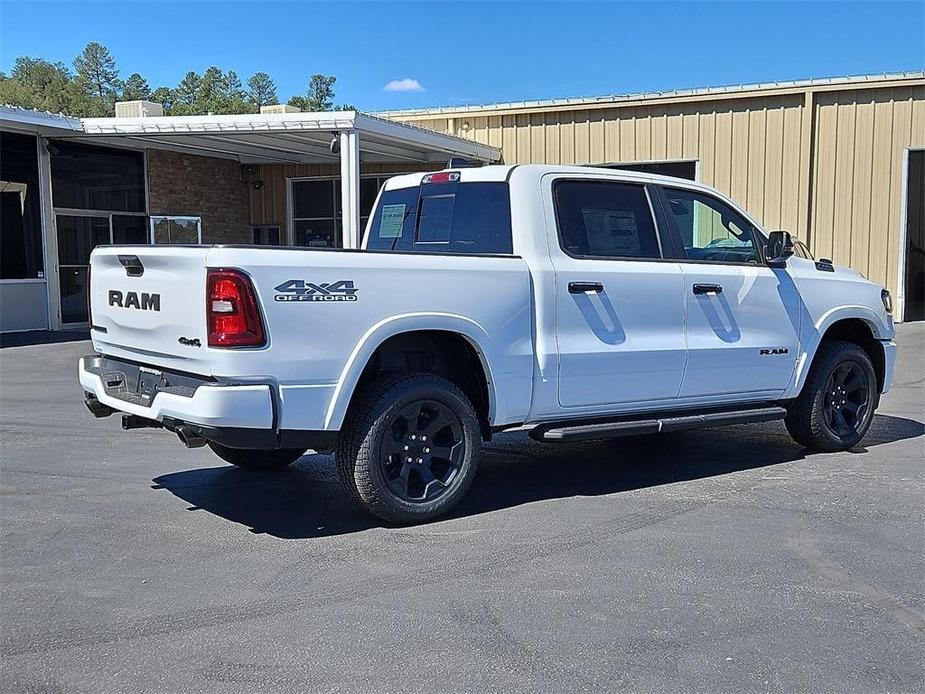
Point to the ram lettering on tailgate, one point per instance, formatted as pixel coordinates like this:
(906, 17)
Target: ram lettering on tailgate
(144, 302)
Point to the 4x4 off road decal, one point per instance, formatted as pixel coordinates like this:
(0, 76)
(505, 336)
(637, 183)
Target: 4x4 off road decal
(300, 290)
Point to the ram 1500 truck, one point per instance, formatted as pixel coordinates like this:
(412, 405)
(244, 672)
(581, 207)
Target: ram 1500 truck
(581, 303)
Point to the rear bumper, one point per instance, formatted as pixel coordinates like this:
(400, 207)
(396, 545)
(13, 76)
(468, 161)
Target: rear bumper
(235, 415)
(205, 403)
(889, 364)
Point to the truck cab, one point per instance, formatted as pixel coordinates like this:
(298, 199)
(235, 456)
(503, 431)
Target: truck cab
(578, 302)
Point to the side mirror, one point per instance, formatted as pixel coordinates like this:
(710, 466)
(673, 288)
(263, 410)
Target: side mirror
(779, 248)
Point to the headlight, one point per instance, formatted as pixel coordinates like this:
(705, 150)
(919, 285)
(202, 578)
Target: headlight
(887, 301)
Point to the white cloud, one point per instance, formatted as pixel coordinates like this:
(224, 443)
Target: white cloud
(405, 85)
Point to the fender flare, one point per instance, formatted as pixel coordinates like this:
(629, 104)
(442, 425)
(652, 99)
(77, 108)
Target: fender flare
(389, 327)
(811, 341)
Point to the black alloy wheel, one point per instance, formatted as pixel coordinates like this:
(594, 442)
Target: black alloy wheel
(409, 447)
(422, 451)
(847, 397)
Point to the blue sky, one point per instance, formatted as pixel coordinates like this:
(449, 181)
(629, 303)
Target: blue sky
(475, 52)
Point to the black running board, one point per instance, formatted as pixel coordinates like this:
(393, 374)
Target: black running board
(654, 424)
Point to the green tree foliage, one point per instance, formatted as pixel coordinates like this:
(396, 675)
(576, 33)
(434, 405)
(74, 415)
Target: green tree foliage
(98, 76)
(95, 85)
(135, 87)
(319, 96)
(165, 96)
(186, 93)
(261, 90)
(36, 83)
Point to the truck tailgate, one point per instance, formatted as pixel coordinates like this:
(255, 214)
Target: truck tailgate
(147, 304)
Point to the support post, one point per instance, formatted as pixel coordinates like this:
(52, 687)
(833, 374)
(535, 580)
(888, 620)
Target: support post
(350, 187)
(49, 237)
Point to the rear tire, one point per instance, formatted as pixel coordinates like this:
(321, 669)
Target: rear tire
(410, 447)
(263, 461)
(836, 406)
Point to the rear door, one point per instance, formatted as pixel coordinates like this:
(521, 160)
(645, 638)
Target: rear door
(147, 303)
(743, 318)
(619, 307)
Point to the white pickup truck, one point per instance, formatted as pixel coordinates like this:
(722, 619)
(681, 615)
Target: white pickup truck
(579, 302)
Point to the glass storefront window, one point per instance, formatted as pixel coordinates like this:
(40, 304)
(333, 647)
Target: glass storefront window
(84, 177)
(186, 230)
(316, 213)
(20, 209)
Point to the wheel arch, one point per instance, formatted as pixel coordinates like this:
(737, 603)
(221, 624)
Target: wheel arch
(418, 335)
(855, 324)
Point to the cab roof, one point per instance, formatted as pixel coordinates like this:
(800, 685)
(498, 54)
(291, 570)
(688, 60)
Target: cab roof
(505, 172)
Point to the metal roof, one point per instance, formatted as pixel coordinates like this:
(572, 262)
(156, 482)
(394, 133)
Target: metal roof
(616, 99)
(32, 121)
(278, 138)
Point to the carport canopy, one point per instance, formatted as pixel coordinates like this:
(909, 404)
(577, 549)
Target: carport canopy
(347, 137)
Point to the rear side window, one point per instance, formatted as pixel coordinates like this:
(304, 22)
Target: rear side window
(463, 218)
(605, 219)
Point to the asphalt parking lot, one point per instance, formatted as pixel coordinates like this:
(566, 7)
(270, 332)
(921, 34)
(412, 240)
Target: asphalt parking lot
(723, 560)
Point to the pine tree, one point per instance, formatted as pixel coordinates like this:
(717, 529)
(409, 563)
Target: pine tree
(320, 94)
(261, 90)
(135, 87)
(97, 73)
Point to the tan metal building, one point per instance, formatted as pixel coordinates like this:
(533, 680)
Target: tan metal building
(839, 162)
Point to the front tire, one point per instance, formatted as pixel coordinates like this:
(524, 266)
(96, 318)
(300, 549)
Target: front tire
(410, 447)
(836, 406)
(263, 461)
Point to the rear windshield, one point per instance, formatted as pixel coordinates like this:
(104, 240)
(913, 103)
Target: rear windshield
(462, 218)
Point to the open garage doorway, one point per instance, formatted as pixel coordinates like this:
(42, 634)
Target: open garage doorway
(914, 295)
(679, 169)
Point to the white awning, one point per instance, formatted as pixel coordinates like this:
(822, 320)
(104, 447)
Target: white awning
(285, 138)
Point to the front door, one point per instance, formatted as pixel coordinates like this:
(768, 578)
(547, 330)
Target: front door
(77, 237)
(619, 308)
(743, 318)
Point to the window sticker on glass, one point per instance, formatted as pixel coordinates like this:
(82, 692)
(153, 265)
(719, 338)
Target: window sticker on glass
(612, 232)
(393, 217)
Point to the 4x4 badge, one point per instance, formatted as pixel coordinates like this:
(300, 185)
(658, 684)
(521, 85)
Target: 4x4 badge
(300, 290)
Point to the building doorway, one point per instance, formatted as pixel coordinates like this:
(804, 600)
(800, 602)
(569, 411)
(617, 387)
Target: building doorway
(77, 235)
(914, 300)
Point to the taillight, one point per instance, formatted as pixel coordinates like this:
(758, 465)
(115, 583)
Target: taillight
(231, 310)
(89, 302)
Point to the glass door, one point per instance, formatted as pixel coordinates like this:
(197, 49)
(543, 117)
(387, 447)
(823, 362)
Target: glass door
(77, 236)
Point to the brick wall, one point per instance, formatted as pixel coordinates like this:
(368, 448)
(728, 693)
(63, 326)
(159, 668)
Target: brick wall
(187, 185)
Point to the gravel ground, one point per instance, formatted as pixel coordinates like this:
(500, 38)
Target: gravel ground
(722, 560)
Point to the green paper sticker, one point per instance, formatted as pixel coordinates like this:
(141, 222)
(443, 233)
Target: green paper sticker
(393, 217)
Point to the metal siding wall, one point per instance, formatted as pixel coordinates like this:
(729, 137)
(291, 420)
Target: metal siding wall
(857, 177)
(832, 174)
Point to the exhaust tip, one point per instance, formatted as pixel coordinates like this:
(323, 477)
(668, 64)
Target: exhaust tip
(189, 438)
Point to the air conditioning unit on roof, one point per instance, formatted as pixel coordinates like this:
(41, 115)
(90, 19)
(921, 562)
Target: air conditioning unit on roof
(279, 108)
(138, 109)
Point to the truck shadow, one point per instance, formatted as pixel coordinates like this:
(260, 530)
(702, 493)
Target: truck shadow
(306, 500)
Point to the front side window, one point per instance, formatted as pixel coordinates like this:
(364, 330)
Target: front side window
(709, 229)
(461, 218)
(605, 219)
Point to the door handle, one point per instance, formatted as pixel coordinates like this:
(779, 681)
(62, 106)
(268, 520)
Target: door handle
(582, 287)
(707, 289)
